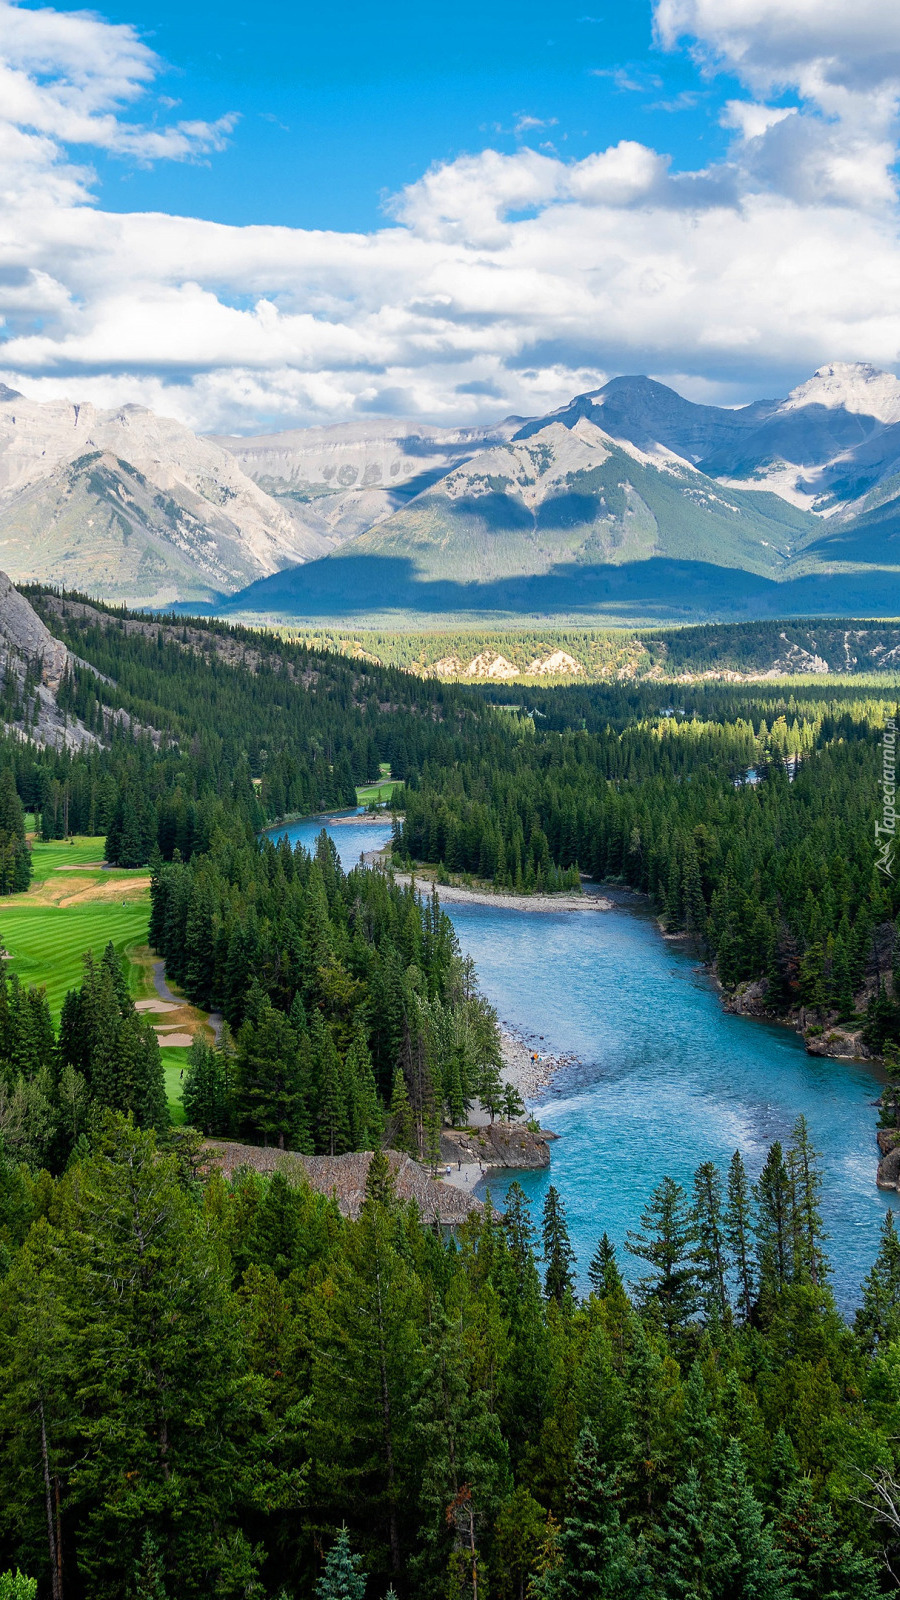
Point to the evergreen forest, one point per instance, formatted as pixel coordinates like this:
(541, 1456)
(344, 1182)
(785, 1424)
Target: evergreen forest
(217, 1386)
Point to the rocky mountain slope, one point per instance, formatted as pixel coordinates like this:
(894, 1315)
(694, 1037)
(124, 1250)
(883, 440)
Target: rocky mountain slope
(349, 477)
(576, 494)
(32, 665)
(134, 506)
(630, 499)
(633, 497)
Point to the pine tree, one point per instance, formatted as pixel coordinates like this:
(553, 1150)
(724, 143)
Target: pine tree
(520, 1233)
(341, 1578)
(15, 1586)
(366, 1115)
(205, 1093)
(149, 1580)
(740, 1233)
(366, 1370)
(812, 978)
(270, 1093)
(332, 1120)
(519, 1532)
(401, 1126)
(820, 1560)
(774, 1222)
(603, 1273)
(596, 1559)
(559, 1258)
(692, 894)
(890, 1095)
(380, 1180)
(878, 1318)
(810, 1264)
(140, 1338)
(710, 1249)
(667, 1245)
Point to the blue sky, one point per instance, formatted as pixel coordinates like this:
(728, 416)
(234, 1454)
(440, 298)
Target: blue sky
(342, 105)
(276, 216)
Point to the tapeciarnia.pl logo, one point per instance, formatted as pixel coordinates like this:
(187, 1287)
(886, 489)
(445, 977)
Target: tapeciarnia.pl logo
(888, 824)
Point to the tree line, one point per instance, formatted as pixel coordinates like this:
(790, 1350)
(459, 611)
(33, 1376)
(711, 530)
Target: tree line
(350, 1006)
(748, 820)
(224, 1388)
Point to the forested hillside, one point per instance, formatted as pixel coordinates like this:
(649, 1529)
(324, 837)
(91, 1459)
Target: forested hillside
(553, 653)
(224, 1389)
(747, 815)
(217, 1386)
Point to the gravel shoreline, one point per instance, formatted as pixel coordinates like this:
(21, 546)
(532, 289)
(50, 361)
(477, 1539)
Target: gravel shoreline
(512, 902)
(529, 1075)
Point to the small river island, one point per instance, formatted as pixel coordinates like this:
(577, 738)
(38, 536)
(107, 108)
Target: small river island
(660, 1077)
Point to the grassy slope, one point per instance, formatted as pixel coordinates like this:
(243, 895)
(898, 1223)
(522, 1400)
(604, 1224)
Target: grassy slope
(74, 905)
(174, 1064)
(68, 912)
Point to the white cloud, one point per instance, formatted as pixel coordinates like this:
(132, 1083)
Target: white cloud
(812, 44)
(499, 282)
(67, 75)
(751, 120)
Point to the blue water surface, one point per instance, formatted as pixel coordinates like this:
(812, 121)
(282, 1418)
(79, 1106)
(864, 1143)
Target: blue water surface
(665, 1079)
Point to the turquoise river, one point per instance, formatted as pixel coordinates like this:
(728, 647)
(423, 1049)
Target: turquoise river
(664, 1079)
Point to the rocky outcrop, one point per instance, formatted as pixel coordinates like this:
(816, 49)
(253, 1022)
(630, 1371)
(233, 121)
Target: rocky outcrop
(747, 1000)
(498, 1144)
(889, 1166)
(36, 660)
(343, 1178)
(839, 1043)
(842, 1044)
(22, 631)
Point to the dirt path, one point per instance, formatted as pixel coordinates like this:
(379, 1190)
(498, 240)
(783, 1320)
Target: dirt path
(215, 1019)
(160, 985)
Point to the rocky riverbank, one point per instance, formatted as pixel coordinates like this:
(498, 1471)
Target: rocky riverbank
(841, 1043)
(889, 1165)
(527, 1063)
(458, 893)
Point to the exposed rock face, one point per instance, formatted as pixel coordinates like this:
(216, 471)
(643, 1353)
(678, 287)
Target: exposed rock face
(889, 1165)
(842, 1044)
(344, 1178)
(25, 642)
(134, 506)
(490, 665)
(558, 664)
(22, 631)
(498, 1144)
(747, 1000)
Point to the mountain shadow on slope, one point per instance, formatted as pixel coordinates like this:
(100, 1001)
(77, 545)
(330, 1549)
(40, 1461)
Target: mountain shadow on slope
(659, 588)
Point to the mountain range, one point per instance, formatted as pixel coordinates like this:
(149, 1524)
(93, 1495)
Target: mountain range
(630, 501)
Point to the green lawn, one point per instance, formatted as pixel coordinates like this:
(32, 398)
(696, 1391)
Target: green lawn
(47, 943)
(46, 858)
(174, 1062)
(382, 790)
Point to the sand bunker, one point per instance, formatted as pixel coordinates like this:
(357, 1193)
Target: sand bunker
(178, 1039)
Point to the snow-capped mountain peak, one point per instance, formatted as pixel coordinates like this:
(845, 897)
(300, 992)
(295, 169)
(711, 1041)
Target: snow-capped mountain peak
(855, 385)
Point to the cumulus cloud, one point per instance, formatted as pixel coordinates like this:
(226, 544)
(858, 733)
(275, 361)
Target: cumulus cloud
(498, 282)
(812, 44)
(65, 78)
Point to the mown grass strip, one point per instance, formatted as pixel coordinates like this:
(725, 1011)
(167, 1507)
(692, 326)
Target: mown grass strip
(81, 852)
(174, 1066)
(47, 944)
